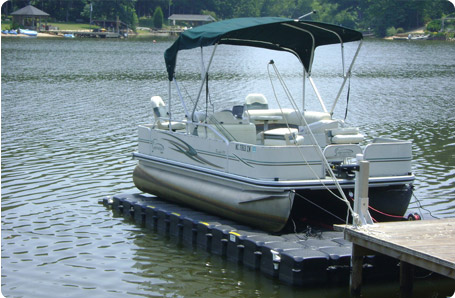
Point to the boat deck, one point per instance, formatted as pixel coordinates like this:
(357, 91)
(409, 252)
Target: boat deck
(308, 258)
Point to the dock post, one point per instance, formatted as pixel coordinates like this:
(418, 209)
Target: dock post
(361, 201)
(117, 26)
(356, 270)
(406, 279)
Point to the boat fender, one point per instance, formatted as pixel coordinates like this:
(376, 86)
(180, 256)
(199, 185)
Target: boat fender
(414, 216)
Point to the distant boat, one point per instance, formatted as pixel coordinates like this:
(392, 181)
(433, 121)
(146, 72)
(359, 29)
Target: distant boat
(28, 32)
(400, 38)
(12, 32)
(68, 35)
(418, 37)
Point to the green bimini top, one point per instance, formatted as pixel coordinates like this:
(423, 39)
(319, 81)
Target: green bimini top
(282, 34)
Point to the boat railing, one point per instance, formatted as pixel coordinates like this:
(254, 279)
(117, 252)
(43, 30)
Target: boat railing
(193, 128)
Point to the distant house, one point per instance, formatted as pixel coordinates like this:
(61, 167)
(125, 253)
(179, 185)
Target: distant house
(29, 17)
(193, 19)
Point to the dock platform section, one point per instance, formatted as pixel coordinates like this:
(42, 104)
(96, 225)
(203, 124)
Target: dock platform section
(309, 257)
(429, 244)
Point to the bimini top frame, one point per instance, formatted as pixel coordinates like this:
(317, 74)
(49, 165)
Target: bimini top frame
(298, 37)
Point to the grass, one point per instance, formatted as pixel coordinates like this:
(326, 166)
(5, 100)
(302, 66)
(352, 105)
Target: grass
(6, 25)
(61, 26)
(73, 26)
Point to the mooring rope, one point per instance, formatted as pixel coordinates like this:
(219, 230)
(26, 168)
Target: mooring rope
(313, 140)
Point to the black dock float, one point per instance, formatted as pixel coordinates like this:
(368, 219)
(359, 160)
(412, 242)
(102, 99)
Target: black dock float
(303, 267)
(313, 257)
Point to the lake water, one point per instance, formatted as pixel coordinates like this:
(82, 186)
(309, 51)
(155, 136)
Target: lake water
(69, 112)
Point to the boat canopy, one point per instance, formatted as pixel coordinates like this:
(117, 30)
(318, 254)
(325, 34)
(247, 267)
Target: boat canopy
(298, 37)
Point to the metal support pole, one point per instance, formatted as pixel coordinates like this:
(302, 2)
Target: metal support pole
(361, 201)
(345, 78)
(303, 96)
(317, 93)
(170, 105)
(203, 81)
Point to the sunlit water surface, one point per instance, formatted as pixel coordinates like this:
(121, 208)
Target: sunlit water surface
(69, 114)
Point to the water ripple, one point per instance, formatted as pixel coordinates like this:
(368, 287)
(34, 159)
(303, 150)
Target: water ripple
(69, 128)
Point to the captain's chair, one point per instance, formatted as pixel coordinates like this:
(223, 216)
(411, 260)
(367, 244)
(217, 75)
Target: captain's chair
(159, 108)
(160, 111)
(256, 101)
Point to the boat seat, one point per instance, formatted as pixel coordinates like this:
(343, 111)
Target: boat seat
(256, 101)
(159, 107)
(389, 158)
(224, 117)
(160, 111)
(232, 128)
(287, 116)
(313, 116)
(282, 137)
(346, 135)
(322, 126)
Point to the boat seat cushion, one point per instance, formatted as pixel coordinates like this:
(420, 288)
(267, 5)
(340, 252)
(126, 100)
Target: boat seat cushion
(174, 125)
(288, 116)
(346, 135)
(282, 137)
(242, 133)
(256, 101)
(312, 116)
(347, 139)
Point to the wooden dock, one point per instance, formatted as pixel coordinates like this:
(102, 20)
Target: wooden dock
(87, 33)
(429, 244)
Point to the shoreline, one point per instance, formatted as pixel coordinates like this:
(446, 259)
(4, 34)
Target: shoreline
(23, 35)
(46, 35)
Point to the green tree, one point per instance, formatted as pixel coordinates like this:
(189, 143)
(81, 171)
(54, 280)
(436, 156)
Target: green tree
(248, 8)
(225, 9)
(303, 7)
(110, 10)
(279, 8)
(325, 11)
(209, 13)
(158, 18)
(359, 14)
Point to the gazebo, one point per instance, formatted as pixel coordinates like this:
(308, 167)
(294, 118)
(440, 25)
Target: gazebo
(28, 17)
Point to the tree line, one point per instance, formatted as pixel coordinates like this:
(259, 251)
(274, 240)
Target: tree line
(366, 15)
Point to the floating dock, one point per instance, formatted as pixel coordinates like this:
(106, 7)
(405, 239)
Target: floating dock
(308, 258)
(428, 244)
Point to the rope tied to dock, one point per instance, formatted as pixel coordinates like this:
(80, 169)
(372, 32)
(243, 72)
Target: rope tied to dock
(303, 121)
